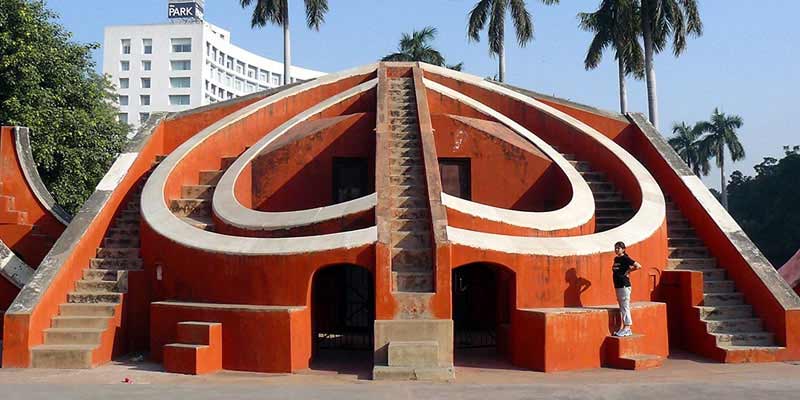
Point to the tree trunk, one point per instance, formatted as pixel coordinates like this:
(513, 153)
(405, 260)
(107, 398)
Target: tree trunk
(502, 67)
(287, 48)
(623, 93)
(649, 68)
(723, 186)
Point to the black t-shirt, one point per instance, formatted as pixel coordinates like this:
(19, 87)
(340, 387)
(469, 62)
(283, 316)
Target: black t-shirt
(622, 264)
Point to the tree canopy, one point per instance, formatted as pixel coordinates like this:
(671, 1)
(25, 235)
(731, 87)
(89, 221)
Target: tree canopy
(766, 206)
(416, 46)
(48, 83)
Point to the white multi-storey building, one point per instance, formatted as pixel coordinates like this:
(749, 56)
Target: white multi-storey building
(176, 66)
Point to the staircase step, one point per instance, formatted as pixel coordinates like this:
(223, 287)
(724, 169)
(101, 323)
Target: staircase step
(693, 263)
(688, 242)
(735, 325)
(639, 362)
(210, 177)
(73, 335)
(115, 263)
(722, 286)
(131, 252)
(204, 192)
(406, 239)
(409, 202)
(723, 299)
(745, 339)
(117, 242)
(717, 313)
(687, 252)
(87, 309)
(410, 213)
(62, 356)
(410, 224)
(70, 321)
(409, 190)
(113, 275)
(85, 297)
(412, 258)
(99, 286)
(190, 207)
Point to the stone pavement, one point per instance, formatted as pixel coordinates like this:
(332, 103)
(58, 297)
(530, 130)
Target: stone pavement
(682, 377)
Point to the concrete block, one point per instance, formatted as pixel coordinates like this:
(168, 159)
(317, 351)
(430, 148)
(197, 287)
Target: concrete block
(436, 330)
(414, 354)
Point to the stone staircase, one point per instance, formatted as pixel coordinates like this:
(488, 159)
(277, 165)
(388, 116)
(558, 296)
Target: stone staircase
(83, 333)
(8, 214)
(411, 237)
(611, 209)
(726, 315)
(194, 206)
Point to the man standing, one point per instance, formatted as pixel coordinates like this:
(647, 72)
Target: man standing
(623, 265)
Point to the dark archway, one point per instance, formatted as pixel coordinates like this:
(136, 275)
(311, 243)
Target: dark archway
(342, 317)
(484, 296)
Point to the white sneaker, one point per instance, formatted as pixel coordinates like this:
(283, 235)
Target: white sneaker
(625, 332)
(618, 332)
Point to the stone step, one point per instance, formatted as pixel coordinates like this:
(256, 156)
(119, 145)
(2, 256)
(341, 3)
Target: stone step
(80, 321)
(403, 113)
(406, 239)
(413, 153)
(403, 120)
(204, 192)
(84, 297)
(62, 356)
(204, 222)
(409, 190)
(594, 176)
(98, 286)
(407, 180)
(131, 252)
(406, 129)
(418, 282)
(713, 274)
(717, 313)
(601, 187)
(190, 207)
(638, 362)
(403, 144)
(210, 177)
(723, 299)
(581, 166)
(410, 202)
(413, 353)
(745, 339)
(677, 225)
(718, 286)
(405, 161)
(608, 196)
(111, 275)
(569, 156)
(115, 263)
(411, 213)
(612, 203)
(685, 242)
(410, 224)
(734, 325)
(413, 258)
(687, 252)
(73, 335)
(692, 262)
(115, 242)
(87, 309)
(396, 169)
(626, 212)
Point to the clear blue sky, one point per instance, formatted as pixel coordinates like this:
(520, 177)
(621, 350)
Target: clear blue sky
(746, 62)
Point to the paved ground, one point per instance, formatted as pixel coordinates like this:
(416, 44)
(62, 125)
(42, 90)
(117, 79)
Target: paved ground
(681, 377)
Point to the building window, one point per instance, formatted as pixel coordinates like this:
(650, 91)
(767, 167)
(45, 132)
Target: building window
(182, 45)
(124, 65)
(144, 99)
(228, 80)
(123, 117)
(181, 65)
(240, 68)
(147, 46)
(180, 82)
(250, 88)
(123, 100)
(239, 84)
(124, 83)
(126, 46)
(143, 117)
(229, 63)
(147, 65)
(276, 79)
(251, 73)
(145, 83)
(221, 58)
(263, 76)
(179, 100)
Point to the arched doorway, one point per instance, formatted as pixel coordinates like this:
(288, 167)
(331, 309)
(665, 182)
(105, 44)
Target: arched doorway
(342, 316)
(483, 300)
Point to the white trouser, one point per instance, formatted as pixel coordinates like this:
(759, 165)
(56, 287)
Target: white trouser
(624, 299)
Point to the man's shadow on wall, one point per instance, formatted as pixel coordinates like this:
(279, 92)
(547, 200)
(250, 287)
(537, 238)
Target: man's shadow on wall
(576, 286)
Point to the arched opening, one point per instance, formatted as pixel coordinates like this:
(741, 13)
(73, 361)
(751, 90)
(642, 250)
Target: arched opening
(342, 318)
(483, 299)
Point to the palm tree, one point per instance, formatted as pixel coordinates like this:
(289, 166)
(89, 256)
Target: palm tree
(495, 12)
(660, 21)
(277, 12)
(722, 133)
(688, 146)
(417, 47)
(616, 25)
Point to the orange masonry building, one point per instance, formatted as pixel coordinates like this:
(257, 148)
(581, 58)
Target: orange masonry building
(401, 212)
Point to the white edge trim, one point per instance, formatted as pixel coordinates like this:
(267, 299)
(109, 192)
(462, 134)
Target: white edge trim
(13, 268)
(117, 172)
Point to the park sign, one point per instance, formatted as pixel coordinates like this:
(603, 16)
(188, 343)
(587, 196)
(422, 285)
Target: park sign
(185, 9)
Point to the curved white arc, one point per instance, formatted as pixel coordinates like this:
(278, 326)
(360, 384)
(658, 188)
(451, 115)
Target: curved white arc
(228, 208)
(647, 220)
(159, 217)
(577, 212)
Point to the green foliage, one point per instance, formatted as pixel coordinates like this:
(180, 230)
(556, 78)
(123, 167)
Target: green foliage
(48, 83)
(687, 144)
(767, 206)
(494, 11)
(616, 25)
(277, 12)
(417, 46)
